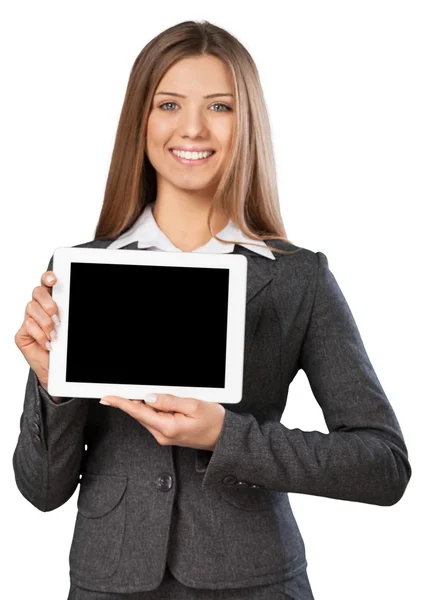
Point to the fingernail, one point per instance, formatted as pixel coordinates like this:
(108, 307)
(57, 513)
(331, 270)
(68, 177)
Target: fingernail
(48, 345)
(50, 278)
(151, 397)
(104, 402)
(56, 319)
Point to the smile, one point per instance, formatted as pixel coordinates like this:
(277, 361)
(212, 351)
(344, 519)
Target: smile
(191, 162)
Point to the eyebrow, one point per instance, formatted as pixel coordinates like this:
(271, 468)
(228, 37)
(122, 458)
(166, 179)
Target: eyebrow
(181, 96)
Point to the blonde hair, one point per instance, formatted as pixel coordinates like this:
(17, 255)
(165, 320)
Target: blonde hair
(247, 192)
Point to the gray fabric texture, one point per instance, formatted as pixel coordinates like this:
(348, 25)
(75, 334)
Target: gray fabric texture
(296, 588)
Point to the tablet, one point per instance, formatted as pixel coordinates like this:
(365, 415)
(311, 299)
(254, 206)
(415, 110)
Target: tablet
(134, 322)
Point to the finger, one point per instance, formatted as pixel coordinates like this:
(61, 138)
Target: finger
(163, 422)
(48, 279)
(42, 319)
(43, 297)
(34, 331)
(190, 407)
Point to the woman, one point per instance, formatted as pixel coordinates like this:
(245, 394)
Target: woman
(184, 498)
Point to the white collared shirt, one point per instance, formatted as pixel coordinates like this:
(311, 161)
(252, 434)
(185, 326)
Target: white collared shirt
(149, 235)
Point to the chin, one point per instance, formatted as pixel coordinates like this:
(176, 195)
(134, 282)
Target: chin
(192, 186)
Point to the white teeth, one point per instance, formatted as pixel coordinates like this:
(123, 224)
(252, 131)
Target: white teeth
(191, 155)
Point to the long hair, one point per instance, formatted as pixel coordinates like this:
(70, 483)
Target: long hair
(247, 192)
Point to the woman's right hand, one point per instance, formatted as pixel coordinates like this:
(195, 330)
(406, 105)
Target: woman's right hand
(39, 328)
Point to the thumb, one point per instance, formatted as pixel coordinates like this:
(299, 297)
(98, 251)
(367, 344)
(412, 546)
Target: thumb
(151, 398)
(171, 403)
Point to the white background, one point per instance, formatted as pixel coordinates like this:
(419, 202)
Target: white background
(343, 85)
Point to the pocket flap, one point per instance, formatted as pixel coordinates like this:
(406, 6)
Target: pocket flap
(99, 494)
(249, 498)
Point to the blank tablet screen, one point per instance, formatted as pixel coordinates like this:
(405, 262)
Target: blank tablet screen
(146, 325)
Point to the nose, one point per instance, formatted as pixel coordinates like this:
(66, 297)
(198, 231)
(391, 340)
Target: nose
(193, 123)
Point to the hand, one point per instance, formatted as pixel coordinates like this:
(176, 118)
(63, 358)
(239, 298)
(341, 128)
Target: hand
(174, 420)
(39, 328)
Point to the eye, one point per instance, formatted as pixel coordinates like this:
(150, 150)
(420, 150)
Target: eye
(165, 104)
(228, 108)
(222, 104)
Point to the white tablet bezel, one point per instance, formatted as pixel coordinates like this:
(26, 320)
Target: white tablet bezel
(237, 265)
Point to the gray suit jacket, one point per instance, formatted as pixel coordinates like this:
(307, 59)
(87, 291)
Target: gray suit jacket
(222, 519)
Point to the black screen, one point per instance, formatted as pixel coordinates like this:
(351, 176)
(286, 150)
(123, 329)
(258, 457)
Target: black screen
(146, 325)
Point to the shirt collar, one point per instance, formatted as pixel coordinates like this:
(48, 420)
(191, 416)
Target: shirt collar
(148, 234)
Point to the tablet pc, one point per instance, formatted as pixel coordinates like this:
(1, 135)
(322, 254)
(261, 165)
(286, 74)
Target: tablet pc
(134, 322)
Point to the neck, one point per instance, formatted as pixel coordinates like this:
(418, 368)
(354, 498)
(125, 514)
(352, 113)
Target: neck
(183, 219)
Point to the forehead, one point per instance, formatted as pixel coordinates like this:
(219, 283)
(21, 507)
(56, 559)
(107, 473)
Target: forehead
(197, 74)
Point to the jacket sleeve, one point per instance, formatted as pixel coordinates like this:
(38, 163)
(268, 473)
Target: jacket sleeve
(363, 458)
(50, 447)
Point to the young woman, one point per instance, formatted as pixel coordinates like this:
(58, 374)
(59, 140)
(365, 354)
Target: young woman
(185, 498)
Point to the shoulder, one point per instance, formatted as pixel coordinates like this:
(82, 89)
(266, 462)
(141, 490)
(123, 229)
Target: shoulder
(91, 244)
(95, 243)
(297, 256)
(298, 267)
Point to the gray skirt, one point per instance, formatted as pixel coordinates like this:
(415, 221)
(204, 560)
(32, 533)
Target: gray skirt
(296, 588)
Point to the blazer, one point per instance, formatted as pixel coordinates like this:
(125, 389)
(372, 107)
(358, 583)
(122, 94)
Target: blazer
(222, 518)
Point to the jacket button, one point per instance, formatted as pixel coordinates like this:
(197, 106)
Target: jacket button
(229, 480)
(164, 482)
(253, 485)
(242, 483)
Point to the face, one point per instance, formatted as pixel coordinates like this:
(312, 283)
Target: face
(182, 117)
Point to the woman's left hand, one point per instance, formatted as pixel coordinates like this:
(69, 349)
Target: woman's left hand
(194, 423)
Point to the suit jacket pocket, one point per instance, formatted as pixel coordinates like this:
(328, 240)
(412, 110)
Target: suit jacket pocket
(100, 524)
(249, 498)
